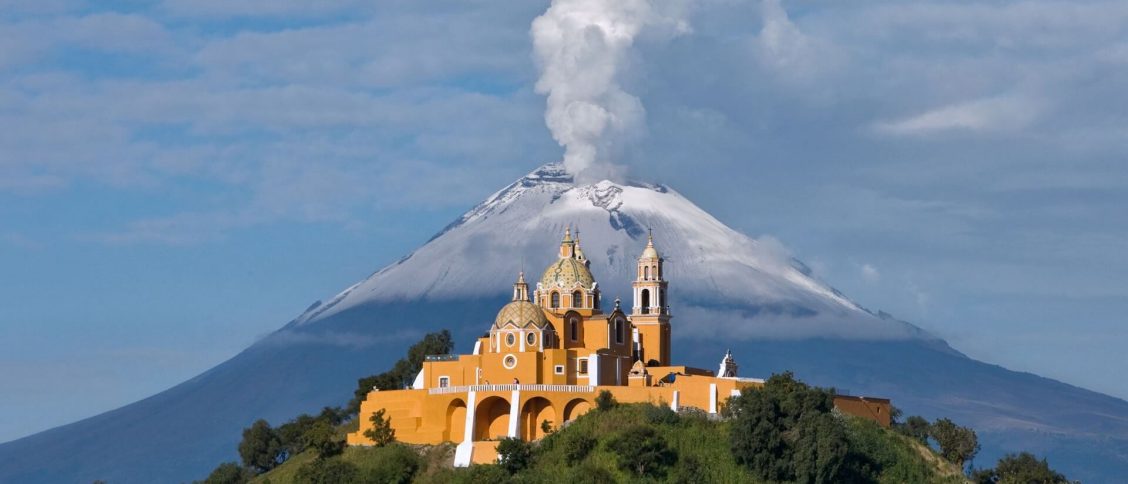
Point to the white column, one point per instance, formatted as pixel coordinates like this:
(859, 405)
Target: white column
(515, 414)
(463, 454)
(521, 336)
(676, 403)
(593, 370)
(712, 398)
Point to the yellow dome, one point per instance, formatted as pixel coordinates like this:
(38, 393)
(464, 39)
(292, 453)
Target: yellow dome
(522, 314)
(565, 273)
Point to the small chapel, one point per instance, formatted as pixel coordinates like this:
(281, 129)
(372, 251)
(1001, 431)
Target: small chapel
(548, 355)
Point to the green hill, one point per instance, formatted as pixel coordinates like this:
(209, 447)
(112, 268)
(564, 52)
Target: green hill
(690, 448)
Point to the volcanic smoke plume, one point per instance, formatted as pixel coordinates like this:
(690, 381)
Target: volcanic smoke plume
(582, 48)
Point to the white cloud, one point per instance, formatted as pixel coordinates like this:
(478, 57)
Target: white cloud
(996, 114)
(870, 273)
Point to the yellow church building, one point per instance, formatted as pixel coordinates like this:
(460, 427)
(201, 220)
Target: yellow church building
(547, 357)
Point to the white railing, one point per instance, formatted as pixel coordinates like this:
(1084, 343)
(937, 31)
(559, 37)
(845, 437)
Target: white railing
(512, 387)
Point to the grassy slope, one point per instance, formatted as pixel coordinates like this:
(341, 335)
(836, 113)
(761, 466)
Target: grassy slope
(702, 443)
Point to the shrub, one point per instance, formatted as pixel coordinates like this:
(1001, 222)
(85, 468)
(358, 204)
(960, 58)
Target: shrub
(660, 415)
(260, 446)
(957, 444)
(322, 437)
(381, 431)
(397, 464)
(590, 474)
(605, 401)
(916, 427)
(576, 446)
(785, 430)
(228, 473)
(1019, 468)
(642, 451)
(328, 471)
(514, 454)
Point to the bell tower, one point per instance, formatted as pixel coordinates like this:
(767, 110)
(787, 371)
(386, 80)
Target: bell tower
(651, 313)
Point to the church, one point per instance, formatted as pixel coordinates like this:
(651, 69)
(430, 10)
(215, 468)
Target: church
(549, 354)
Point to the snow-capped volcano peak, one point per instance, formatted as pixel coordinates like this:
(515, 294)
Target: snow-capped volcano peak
(709, 265)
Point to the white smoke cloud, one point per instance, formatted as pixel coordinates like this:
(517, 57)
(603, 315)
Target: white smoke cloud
(582, 48)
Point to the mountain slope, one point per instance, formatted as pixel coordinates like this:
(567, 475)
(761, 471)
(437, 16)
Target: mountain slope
(726, 290)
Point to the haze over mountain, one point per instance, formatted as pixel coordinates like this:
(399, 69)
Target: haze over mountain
(727, 290)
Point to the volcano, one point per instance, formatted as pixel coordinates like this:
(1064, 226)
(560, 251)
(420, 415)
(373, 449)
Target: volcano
(727, 290)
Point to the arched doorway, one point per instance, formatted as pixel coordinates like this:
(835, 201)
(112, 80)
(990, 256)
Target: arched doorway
(491, 420)
(456, 421)
(575, 408)
(536, 411)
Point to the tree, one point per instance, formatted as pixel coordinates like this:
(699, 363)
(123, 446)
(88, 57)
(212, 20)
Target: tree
(1022, 468)
(577, 445)
(605, 401)
(260, 446)
(642, 451)
(546, 426)
(322, 437)
(820, 449)
(404, 370)
(778, 431)
(515, 454)
(228, 473)
(915, 427)
(381, 431)
(957, 444)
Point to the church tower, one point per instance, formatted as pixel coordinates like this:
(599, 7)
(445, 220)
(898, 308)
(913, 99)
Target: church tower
(651, 313)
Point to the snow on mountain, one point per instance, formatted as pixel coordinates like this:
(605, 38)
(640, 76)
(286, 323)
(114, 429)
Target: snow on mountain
(727, 291)
(520, 226)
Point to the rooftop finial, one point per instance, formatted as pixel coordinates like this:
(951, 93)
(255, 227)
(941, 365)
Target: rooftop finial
(650, 237)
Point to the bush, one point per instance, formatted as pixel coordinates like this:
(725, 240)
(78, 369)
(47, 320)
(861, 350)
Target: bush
(576, 446)
(785, 430)
(661, 415)
(1019, 468)
(590, 474)
(381, 431)
(957, 444)
(322, 437)
(916, 427)
(642, 451)
(229, 473)
(260, 447)
(397, 464)
(328, 471)
(605, 401)
(515, 455)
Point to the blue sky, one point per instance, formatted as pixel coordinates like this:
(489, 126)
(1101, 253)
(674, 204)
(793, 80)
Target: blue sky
(178, 178)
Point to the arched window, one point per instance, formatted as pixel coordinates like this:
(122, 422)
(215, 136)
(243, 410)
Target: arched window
(619, 331)
(555, 300)
(646, 273)
(662, 302)
(646, 301)
(577, 299)
(573, 329)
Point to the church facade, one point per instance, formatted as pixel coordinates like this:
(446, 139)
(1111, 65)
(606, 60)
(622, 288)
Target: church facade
(548, 355)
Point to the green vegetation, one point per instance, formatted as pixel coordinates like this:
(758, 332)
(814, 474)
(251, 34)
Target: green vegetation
(627, 443)
(404, 371)
(381, 431)
(1022, 468)
(785, 432)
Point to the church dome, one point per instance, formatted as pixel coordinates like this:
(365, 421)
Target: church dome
(522, 314)
(565, 273)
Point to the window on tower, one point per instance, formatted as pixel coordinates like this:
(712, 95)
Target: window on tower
(577, 299)
(619, 331)
(646, 273)
(555, 300)
(645, 301)
(573, 329)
